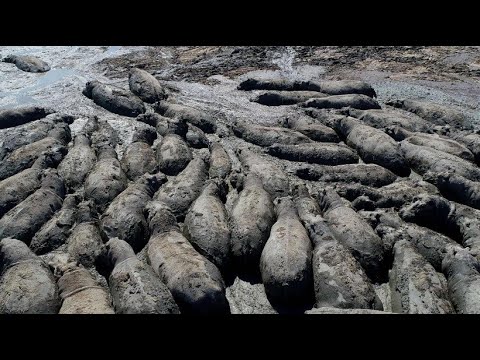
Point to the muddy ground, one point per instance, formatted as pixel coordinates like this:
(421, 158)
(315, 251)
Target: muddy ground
(207, 77)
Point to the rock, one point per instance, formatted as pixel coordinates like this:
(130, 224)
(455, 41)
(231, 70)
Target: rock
(247, 298)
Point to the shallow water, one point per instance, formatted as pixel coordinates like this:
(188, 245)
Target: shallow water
(72, 67)
(112, 50)
(23, 96)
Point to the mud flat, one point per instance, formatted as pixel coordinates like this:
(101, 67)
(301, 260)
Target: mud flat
(255, 180)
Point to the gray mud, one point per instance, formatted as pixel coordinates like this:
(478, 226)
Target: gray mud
(207, 78)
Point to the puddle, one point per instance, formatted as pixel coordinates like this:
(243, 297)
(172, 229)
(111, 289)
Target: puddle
(53, 76)
(112, 49)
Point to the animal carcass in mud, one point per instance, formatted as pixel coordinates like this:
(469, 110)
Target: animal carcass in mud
(25, 219)
(28, 63)
(355, 101)
(181, 192)
(365, 174)
(195, 283)
(145, 86)
(139, 157)
(436, 114)
(27, 286)
(134, 286)
(22, 115)
(315, 153)
(286, 260)
(114, 99)
(251, 219)
(339, 280)
(373, 145)
(124, 217)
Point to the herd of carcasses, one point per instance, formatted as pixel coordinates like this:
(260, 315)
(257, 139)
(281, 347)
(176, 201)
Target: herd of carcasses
(354, 217)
